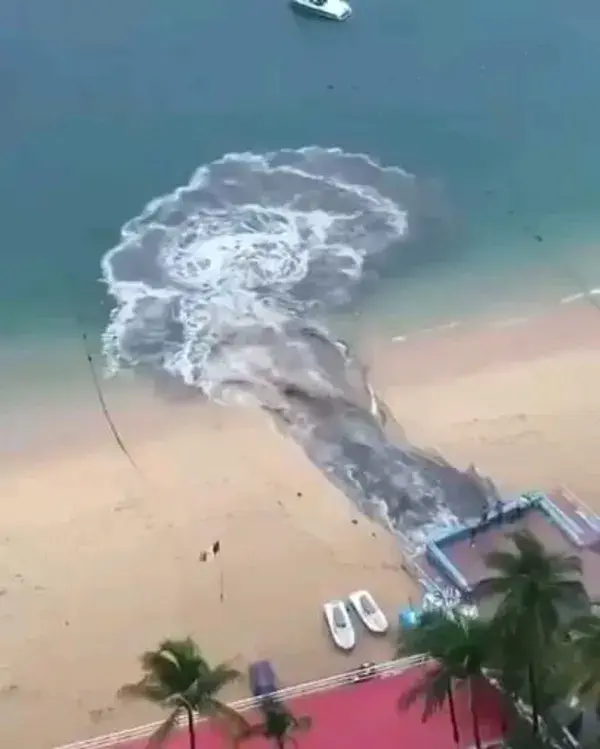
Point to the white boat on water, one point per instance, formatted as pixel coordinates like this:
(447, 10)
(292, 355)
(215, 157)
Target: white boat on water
(334, 10)
(369, 611)
(340, 625)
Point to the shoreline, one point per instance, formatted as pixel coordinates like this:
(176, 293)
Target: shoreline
(34, 420)
(479, 345)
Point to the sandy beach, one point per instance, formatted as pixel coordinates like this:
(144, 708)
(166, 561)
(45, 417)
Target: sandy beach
(518, 399)
(166, 211)
(99, 561)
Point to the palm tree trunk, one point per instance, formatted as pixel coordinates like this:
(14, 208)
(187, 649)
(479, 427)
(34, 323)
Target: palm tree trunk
(452, 709)
(533, 696)
(474, 713)
(190, 725)
(504, 707)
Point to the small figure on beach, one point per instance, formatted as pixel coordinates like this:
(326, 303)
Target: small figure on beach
(365, 672)
(472, 535)
(484, 516)
(499, 507)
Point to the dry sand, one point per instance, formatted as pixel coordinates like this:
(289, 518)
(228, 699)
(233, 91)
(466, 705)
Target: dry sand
(521, 401)
(98, 562)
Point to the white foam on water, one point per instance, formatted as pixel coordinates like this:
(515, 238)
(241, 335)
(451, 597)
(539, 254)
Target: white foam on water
(580, 296)
(253, 240)
(572, 298)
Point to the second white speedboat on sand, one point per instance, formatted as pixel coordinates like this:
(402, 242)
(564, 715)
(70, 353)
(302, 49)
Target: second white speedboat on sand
(369, 611)
(340, 625)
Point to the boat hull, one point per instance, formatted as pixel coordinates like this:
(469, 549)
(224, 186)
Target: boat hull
(316, 12)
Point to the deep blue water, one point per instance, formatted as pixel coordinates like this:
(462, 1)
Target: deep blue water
(493, 105)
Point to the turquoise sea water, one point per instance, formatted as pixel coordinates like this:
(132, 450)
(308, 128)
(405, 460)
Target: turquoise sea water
(106, 105)
(493, 107)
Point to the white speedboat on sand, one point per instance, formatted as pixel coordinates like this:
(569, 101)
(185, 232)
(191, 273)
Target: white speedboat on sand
(368, 610)
(340, 625)
(334, 10)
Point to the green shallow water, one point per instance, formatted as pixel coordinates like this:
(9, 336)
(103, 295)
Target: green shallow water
(493, 105)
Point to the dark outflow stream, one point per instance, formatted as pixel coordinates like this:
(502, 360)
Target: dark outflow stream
(223, 282)
(331, 410)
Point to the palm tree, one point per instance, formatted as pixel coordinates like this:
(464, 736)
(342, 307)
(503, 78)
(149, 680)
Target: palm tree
(459, 647)
(178, 678)
(277, 723)
(539, 592)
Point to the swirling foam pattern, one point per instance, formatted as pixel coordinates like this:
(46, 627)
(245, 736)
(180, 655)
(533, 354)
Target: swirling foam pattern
(220, 284)
(250, 242)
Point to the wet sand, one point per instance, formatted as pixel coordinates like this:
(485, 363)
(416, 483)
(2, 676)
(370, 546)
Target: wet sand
(99, 561)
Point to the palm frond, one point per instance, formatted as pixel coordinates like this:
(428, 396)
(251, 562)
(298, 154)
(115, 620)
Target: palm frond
(210, 706)
(163, 732)
(277, 720)
(226, 672)
(166, 666)
(431, 687)
(181, 650)
(176, 673)
(588, 625)
(501, 561)
(439, 688)
(568, 564)
(531, 549)
(540, 594)
(144, 690)
(433, 631)
(583, 671)
(531, 579)
(527, 543)
(232, 718)
(303, 723)
(415, 692)
(573, 591)
(460, 646)
(531, 556)
(213, 679)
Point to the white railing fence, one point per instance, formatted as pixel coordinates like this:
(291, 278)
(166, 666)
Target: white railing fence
(582, 509)
(389, 668)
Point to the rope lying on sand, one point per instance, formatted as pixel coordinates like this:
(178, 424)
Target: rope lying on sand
(103, 406)
(69, 284)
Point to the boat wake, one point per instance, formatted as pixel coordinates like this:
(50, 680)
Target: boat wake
(224, 284)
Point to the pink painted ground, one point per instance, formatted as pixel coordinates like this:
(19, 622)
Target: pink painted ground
(365, 716)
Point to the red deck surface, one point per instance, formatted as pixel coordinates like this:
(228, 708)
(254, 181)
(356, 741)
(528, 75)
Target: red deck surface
(366, 716)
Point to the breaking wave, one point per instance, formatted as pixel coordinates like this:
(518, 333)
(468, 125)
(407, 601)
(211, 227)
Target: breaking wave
(224, 284)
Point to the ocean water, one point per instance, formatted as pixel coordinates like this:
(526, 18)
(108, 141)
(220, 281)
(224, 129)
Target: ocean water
(237, 176)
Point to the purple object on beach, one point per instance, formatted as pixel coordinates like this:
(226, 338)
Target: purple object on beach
(262, 678)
